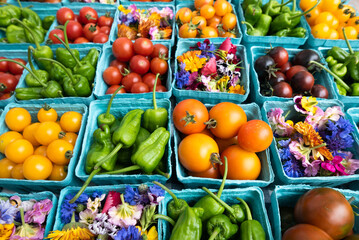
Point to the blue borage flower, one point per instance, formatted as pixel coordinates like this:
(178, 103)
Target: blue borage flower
(7, 212)
(68, 208)
(130, 233)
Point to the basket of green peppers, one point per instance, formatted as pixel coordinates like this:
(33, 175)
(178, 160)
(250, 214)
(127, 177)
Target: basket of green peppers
(38, 18)
(272, 22)
(202, 214)
(68, 79)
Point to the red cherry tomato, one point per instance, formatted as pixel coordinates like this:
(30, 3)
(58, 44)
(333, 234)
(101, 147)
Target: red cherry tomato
(15, 68)
(18, 76)
(81, 40)
(143, 46)
(105, 29)
(112, 75)
(100, 38)
(91, 30)
(120, 65)
(150, 79)
(88, 15)
(159, 65)
(105, 20)
(139, 64)
(4, 66)
(139, 87)
(130, 79)
(64, 14)
(4, 96)
(159, 50)
(8, 83)
(294, 70)
(123, 50)
(74, 30)
(161, 88)
(59, 33)
(113, 88)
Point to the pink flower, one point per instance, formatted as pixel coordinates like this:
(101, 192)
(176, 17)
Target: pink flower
(125, 215)
(333, 113)
(39, 212)
(312, 169)
(228, 47)
(210, 67)
(278, 124)
(335, 166)
(300, 152)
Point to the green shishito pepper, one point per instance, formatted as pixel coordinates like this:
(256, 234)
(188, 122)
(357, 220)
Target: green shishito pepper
(188, 225)
(353, 66)
(33, 33)
(100, 148)
(338, 54)
(253, 13)
(331, 61)
(40, 51)
(251, 229)
(47, 22)
(246, 3)
(220, 227)
(41, 74)
(107, 117)
(142, 135)
(210, 206)
(176, 206)
(273, 8)
(261, 28)
(15, 34)
(30, 15)
(7, 13)
(124, 136)
(91, 57)
(340, 69)
(156, 117)
(83, 68)
(296, 32)
(28, 93)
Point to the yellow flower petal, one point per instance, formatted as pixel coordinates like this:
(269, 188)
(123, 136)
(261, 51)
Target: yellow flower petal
(309, 103)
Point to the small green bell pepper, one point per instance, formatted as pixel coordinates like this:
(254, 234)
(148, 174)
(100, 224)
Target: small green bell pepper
(298, 32)
(107, 117)
(263, 24)
(15, 34)
(355, 89)
(353, 66)
(91, 57)
(220, 227)
(42, 75)
(37, 31)
(156, 117)
(47, 22)
(100, 148)
(251, 229)
(273, 8)
(28, 93)
(252, 13)
(331, 61)
(338, 54)
(188, 225)
(176, 206)
(247, 2)
(340, 69)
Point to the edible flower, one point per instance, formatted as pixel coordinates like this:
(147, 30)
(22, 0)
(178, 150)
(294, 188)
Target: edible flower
(125, 215)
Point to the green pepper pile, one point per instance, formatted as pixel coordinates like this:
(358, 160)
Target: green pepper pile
(65, 76)
(136, 141)
(17, 32)
(211, 218)
(273, 18)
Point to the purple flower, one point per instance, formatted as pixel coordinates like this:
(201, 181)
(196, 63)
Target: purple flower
(68, 208)
(292, 168)
(207, 48)
(182, 77)
(130, 233)
(312, 169)
(7, 212)
(335, 166)
(39, 212)
(134, 197)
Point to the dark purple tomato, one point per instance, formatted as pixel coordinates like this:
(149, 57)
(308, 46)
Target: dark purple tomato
(293, 70)
(286, 67)
(277, 78)
(304, 57)
(282, 89)
(279, 55)
(319, 91)
(302, 81)
(352, 237)
(305, 231)
(262, 65)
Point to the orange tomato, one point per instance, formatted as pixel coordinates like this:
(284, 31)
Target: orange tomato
(37, 167)
(223, 144)
(17, 119)
(6, 167)
(47, 114)
(18, 172)
(327, 18)
(199, 3)
(184, 15)
(343, 14)
(196, 151)
(41, 150)
(230, 8)
(225, 119)
(60, 152)
(200, 21)
(195, 13)
(8, 137)
(209, 32)
(242, 165)
(207, 11)
(29, 134)
(329, 5)
(213, 172)
(213, 22)
(312, 16)
(229, 21)
(207, 132)
(221, 7)
(58, 173)
(70, 137)
(321, 30)
(19, 150)
(71, 121)
(350, 32)
(306, 4)
(188, 30)
(255, 136)
(189, 116)
(333, 34)
(354, 22)
(227, 34)
(47, 132)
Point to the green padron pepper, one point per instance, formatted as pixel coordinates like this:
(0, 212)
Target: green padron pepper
(37, 32)
(47, 22)
(273, 8)
(7, 13)
(253, 13)
(156, 117)
(331, 61)
(341, 89)
(91, 57)
(176, 206)
(353, 66)
(355, 89)
(338, 54)
(142, 135)
(107, 117)
(57, 73)
(15, 34)
(42, 75)
(247, 2)
(28, 93)
(251, 229)
(30, 15)
(220, 227)
(188, 225)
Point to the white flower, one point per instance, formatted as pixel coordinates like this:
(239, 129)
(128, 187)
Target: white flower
(87, 217)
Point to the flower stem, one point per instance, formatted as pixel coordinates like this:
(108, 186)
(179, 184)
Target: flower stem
(22, 216)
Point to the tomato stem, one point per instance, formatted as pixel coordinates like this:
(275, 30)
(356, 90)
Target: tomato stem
(211, 123)
(189, 118)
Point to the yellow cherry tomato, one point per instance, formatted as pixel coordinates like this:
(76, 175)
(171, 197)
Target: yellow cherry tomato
(325, 17)
(351, 32)
(41, 150)
(19, 150)
(29, 134)
(70, 137)
(59, 173)
(312, 16)
(329, 5)
(47, 114)
(200, 21)
(17, 119)
(207, 11)
(343, 13)
(321, 30)
(195, 13)
(71, 121)
(354, 22)
(47, 132)
(306, 4)
(229, 21)
(18, 171)
(209, 32)
(221, 7)
(230, 8)
(184, 15)
(37, 167)
(333, 34)
(6, 167)
(7, 138)
(60, 152)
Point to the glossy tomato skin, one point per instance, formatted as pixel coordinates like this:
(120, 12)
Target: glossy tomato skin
(7, 83)
(139, 64)
(4, 66)
(161, 88)
(130, 79)
(15, 68)
(113, 88)
(59, 33)
(64, 14)
(123, 49)
(279, 55)
(187, 109)
(100, 38)
(106, 30)
(112, 75)
(150, 79)
(105, 21)
(305, 231)
(213, 172)
(283, 89)
(159, 50)
(159, 65)
(90, 31)
(139, 87)
(120, 65)
(255, 136)
(293, 70)
(74, 30)
(81, 40)
(88, 15)
(327, 209)
(143, 46)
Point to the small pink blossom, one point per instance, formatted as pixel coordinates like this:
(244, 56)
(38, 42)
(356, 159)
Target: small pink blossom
(278, 124)
(228, 47)
(335, 166)
(210, 67)
(313, 168)
(333, 113)
(300, 152)
(125, 215)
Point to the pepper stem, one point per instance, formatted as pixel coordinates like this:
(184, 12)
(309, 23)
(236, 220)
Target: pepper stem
(110, 102)
(123, 170)
(29, 58)
(220, 201)
(306, 12)
(294, 5)
(340, 81)
(22, 65)
(65, 33)
(215, 232)
(105, 159)
(220, 190)
(283, 4)
(157, 170)
(248, 25)
(154, 92)
(174, 197)
(61, 65)
(347, 41)
(248, 211)
(28, 29)
(68, 49)
(18, 1)
(164, 217)
(88, 180)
